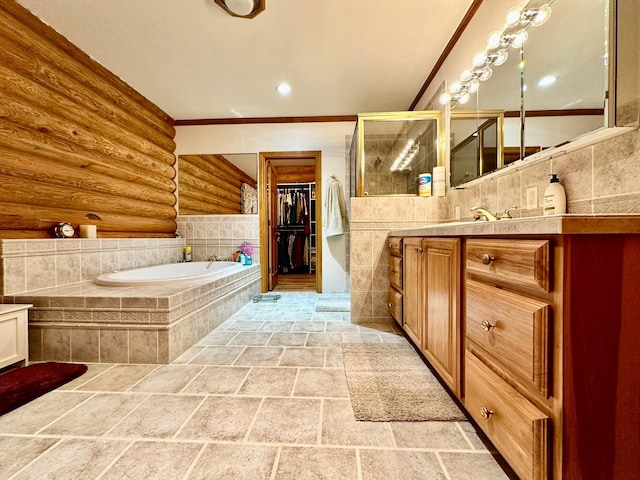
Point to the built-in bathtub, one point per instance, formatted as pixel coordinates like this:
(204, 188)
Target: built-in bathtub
(139, 322)
(172, 274)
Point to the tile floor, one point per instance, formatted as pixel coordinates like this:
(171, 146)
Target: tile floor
(261, 397)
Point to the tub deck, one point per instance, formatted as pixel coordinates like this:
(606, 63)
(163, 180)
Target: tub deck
(85, 322)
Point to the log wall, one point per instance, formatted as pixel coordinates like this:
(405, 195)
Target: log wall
(77, 144)
(210, 184)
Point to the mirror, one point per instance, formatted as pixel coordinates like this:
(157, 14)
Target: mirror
(571, 101)
(214, 184)
(391, 150)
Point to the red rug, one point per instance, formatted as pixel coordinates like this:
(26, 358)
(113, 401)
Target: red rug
(21, 385)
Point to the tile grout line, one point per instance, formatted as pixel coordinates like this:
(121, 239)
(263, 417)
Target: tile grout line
(245, 440)
(115, 460)
(442, 466)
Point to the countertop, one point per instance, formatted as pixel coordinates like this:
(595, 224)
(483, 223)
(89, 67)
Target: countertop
(542, 225)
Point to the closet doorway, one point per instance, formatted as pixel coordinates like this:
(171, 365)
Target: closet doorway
(290, 187)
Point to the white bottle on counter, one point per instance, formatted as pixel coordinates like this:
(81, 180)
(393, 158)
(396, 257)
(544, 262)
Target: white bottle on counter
(555, 198)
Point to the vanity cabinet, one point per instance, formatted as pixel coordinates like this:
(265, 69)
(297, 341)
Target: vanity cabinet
(395, 279)
(431, 292)
(14, 343)
(546, 329)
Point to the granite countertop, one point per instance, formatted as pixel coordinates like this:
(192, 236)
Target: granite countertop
(542, 225)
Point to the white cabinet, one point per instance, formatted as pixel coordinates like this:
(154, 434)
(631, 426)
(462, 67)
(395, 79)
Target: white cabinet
(14, 341)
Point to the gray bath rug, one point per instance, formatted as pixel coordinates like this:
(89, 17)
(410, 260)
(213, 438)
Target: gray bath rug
(333, 304)
(390, 383)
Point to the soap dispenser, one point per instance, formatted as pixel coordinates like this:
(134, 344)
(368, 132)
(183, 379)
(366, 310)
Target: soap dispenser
(555, 198)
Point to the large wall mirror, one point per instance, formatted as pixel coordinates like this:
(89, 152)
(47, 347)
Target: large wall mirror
(559, 79)
(215, 183)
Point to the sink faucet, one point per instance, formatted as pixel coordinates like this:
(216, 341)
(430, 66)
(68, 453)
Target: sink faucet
(480, 213)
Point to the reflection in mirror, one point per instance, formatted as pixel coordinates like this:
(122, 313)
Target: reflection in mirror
(393, 149)
(217, 184)
(476, 144)
(564, 83)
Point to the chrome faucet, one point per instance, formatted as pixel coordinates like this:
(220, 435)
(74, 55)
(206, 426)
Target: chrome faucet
(480, 213)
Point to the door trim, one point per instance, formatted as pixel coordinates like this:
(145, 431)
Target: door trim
(265, 158)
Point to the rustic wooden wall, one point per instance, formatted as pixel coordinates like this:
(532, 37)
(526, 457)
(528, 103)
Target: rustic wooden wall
(210, 184)
(77, 144)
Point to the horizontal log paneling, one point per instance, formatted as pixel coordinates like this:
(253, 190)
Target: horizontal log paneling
(210, 184)
(77, 144)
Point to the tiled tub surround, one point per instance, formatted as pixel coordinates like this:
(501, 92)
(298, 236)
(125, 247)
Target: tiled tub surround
(219, 235)
(155, 324)
(74, 319)
(28, 265)
(600, 178)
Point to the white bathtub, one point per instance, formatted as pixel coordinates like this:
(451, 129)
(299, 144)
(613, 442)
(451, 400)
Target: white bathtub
(174, 273)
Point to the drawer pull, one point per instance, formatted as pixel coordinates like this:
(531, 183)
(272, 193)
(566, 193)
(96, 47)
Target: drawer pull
(487, 325)
(486, 412)
(487, 259)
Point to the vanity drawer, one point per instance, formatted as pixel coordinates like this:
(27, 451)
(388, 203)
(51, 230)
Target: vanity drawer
(523, 263)
(395, 246)
(395, 272)
(518, 429)
(395, 305)
(514, 330)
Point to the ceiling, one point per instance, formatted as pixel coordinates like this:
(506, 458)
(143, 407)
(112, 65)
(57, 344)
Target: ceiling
(193, 60)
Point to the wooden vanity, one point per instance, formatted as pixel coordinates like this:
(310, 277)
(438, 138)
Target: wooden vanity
(533, 324)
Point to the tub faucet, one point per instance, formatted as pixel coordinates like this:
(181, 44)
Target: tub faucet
(213, 258)
(480, 213)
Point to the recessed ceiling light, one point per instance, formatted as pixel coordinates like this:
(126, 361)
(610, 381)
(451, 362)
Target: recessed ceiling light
(283, 88)
(548, 80)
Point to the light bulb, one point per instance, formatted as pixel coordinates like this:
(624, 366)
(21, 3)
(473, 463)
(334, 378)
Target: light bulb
(464, 98)
(479, 58)
(501, 57)
(519, 39)
(472, 86)
(495, 39)
(455, 87)
(283, 88)
(444, 98)
(485, 74)
(465, 75)
(513, 16)
(542, 15)
(547, 80)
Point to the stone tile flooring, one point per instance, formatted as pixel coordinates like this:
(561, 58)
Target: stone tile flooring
(262, 397)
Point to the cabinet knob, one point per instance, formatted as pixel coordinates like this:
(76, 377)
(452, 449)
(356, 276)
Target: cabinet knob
(487, 259)
(487, 325)
(418, 249)
(390, 304)
(486, 412)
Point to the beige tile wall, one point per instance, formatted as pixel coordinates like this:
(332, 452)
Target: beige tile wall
(27, 265)
(602, 178)
(219, 235)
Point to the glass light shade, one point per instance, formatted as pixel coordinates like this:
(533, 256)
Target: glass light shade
(472, 86)
(464, 98)
(501, 57)
(541, 16)
(444, 98)
(455, 87)
(479, 58)
(485, 74)
(495, 39)
(513, 16)
(466, 75)
(519, 39)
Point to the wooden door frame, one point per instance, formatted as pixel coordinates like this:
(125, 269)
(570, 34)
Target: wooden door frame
(266, 157)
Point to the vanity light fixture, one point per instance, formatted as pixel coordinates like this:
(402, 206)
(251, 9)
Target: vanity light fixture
(514, 34)
(283, 88)
(405, 157)
(242, 8)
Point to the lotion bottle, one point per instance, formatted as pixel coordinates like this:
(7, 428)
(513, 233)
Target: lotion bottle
(555, 198)
(187, 254)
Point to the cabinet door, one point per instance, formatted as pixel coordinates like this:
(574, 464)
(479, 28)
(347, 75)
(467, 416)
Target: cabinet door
(441, 338)
(413, 298)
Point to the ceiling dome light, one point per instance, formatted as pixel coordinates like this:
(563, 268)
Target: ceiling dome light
(283, 88)
(242, 8)
(547, 80)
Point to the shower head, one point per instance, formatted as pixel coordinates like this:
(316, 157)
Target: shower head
(377, 162)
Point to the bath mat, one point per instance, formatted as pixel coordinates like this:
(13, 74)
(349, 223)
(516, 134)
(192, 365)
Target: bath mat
(21, 385)
(333, 305)
(390, 383)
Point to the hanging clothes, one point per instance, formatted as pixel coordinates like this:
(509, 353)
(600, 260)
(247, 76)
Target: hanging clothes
(335, 211)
